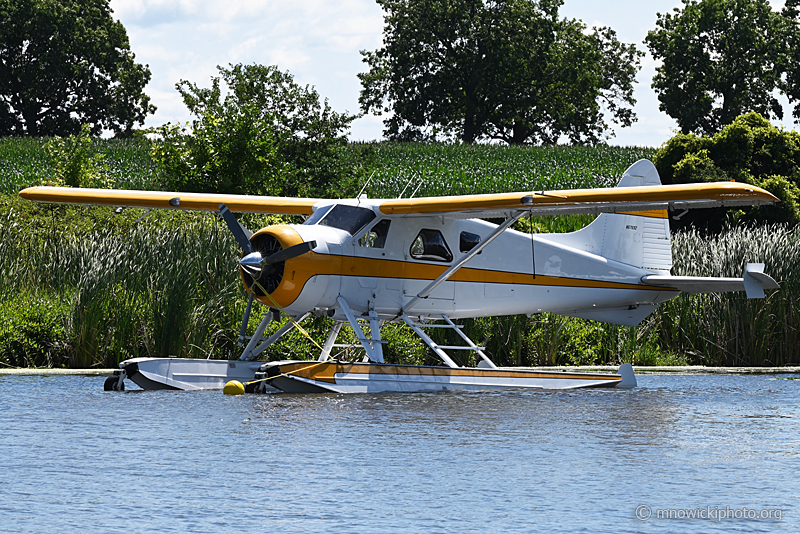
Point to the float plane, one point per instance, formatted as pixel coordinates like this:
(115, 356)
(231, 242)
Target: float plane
(428, 262)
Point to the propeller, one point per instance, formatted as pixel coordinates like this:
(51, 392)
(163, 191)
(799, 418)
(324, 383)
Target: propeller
(264, 258)
(254, 262)
(241, 233)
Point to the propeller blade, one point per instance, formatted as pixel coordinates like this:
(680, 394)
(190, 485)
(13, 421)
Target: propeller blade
(241, 233)
(291, 252)
(260, 268)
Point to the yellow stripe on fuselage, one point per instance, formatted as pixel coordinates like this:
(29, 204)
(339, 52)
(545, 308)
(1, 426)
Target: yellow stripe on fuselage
(300, 269)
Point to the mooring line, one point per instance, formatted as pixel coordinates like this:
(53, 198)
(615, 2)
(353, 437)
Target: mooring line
(302, 330)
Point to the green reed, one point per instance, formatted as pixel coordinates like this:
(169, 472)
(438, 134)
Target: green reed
(729, 329)
(145, 291)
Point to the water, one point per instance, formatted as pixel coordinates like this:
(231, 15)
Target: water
(77, 459)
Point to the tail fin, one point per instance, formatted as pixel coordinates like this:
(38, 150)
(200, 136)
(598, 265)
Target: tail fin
(639, 238)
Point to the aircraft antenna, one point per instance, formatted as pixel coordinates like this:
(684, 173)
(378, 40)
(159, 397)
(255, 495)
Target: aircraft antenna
(365, 186)
(415, 190)
(406, 187)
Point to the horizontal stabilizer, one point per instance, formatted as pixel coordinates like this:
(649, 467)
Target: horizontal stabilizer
(754, 282)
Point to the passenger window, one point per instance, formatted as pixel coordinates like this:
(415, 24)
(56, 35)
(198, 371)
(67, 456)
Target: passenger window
(468, 241)
(376, 237)
(430, 245)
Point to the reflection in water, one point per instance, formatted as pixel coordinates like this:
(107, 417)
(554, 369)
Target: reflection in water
(502, 461)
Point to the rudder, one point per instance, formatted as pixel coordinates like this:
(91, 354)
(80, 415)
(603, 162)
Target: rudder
(637, 238)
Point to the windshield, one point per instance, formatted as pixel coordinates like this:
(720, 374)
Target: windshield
(317, 215)
(351, 219)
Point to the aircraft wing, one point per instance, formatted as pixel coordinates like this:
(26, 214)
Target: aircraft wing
(601, 200)
(170, 200)
(609, 200)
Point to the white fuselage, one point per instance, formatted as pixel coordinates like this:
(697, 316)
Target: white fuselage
(501, 280)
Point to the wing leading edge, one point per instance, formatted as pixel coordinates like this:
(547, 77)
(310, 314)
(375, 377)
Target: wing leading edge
(605, 200)
(170, 200)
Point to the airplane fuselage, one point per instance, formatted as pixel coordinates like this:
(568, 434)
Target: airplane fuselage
(388, 262)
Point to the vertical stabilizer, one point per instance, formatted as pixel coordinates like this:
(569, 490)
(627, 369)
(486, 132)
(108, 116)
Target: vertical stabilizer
(637, 238)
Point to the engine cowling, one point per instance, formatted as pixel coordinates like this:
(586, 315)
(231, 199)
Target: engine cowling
(299, 282)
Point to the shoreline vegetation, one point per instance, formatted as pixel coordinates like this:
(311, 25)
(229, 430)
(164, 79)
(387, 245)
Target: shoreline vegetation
(81, 287)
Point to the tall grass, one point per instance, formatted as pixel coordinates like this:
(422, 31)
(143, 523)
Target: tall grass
(147, 291)
(729, 329)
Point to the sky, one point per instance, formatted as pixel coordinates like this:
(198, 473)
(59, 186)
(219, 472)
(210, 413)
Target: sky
(318, 42)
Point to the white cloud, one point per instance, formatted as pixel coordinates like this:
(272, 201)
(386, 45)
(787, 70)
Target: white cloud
(318, 41)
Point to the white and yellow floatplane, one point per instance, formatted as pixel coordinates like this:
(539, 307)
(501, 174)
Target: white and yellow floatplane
(428, 262)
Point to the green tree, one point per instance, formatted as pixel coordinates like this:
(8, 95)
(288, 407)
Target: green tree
(791, 85)
(74, 164)
(503, 69)
(720, 59)
(64, 63)
(267, 135)
(749, 150)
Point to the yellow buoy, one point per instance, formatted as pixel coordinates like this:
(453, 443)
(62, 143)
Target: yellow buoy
(234, 387)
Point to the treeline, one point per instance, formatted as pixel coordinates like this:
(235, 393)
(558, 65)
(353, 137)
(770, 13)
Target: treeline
(516, 71)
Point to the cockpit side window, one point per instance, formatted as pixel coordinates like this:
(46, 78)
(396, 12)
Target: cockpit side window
(376, 236)
(430, 245)
(351, 219)
(467, 241)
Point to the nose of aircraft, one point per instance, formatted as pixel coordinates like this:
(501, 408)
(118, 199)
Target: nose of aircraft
(252, 263)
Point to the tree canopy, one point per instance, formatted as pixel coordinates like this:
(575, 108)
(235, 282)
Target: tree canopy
(791, 86)
(496, 69)
(64, 63)
(749, 150)
(263, 134)
(723, 58)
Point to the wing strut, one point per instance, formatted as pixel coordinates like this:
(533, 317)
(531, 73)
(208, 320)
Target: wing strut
(251, 351)
(460, 263)
(371, 345)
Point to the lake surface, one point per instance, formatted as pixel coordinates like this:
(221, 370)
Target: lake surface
(77, 459)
